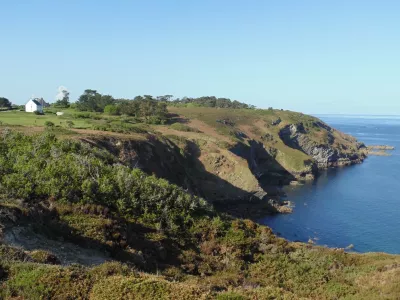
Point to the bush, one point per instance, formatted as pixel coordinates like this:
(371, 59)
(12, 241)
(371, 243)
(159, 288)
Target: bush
(230, 296)
(39, 167)
(70, 124)
(111, 110)
(44, 257)
(49, 124)
(38, 113)
(155, 120)
(82, 115)
(182, 127)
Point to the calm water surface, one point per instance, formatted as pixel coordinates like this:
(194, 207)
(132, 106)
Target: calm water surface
(357, 205)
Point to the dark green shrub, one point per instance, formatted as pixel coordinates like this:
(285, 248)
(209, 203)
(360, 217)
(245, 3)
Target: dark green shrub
(70, 124)
(39, 167)
(49, 124)
(82, 115)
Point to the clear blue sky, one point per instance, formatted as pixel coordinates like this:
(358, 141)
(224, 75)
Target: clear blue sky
(309, 56)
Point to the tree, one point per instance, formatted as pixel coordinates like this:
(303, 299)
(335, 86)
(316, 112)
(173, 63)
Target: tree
(91, 100)
(64, 101)
(4, 102)
(129, 107)
(164, 98)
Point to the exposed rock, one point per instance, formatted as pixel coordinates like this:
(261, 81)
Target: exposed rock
(379, 153)
(379, 150)
(283, 209)
(327, 154)
(309, 177)
(295, 183)
(226, 122)
(276, 122)
(380, 147)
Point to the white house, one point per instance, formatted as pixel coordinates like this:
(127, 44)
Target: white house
(33, 105)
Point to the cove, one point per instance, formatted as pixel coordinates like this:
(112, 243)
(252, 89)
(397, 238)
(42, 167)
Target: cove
(358, 205)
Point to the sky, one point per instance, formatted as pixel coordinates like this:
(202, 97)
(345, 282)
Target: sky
(309, 56)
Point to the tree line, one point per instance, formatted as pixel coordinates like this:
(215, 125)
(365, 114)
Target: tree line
(147, 106)
(211, 101)
(151, 109)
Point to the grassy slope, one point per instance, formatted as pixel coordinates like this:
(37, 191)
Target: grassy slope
(226, 259)
(30, 119)
(257, 124)
(217, 258)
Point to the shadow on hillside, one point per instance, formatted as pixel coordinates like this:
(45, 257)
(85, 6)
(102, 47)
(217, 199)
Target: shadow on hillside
(118, 239)
(181, 165)
(175, 118)
(186, 170)
(270, 174)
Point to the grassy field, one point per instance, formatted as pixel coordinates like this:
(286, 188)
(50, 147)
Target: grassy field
(80, 120)
(13, 117)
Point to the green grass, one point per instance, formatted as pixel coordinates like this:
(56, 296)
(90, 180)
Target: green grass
(30, 119)
(183, 127)
(80, 120)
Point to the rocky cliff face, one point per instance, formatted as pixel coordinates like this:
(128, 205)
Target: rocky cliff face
(236, 161)
(202, 168)
(332, 153)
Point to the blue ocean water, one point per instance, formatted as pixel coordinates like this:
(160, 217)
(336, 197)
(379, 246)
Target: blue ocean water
(357, 205)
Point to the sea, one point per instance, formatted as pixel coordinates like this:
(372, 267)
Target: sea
(356, 206)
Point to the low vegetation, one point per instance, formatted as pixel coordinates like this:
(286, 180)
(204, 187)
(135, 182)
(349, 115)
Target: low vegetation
(162, 241)
(183, 127)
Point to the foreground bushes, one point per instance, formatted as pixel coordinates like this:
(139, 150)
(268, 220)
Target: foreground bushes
(42, 167)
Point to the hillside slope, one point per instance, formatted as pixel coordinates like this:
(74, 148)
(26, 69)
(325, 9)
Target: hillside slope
(234, 153)
(299, 143)
(223, 154)
(78, 220)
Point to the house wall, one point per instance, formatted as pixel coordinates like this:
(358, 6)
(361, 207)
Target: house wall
(32, 107)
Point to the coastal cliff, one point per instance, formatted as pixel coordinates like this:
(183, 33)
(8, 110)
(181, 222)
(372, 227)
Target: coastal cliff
(235, 156)
(81, 219)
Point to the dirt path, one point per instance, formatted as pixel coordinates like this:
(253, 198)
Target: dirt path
(67, 253)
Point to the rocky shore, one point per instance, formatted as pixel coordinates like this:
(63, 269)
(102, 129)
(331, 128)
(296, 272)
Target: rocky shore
(380, 147)
(379, 150)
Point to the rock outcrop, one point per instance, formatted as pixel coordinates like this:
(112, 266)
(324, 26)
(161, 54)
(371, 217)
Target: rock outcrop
(328, 154)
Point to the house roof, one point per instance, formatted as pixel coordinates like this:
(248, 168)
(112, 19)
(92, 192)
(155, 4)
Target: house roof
(42, 102)
(35, 101)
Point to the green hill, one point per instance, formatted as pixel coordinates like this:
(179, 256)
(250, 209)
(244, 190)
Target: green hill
(143, 211)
